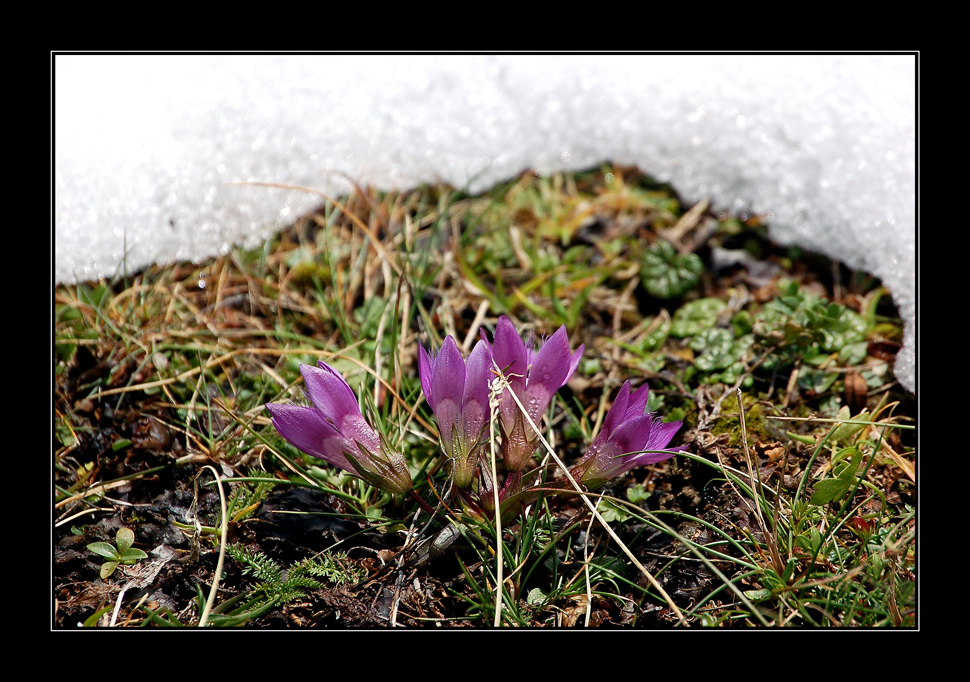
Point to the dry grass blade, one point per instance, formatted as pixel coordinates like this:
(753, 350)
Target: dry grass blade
(223, 538)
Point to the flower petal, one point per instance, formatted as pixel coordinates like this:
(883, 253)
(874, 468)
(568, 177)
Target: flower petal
(548, 373)
(329, 392)
(508, 350)
(646, 458)
(574, 362)
(475, 400)
(448, 416)
(552, 361)
(638, 401)
(617, 411)
(633, 434)
(448, 375)
(306, 429)
(662, 434)
(356, 430)
(425, 371)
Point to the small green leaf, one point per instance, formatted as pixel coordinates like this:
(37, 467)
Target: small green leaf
(108, 568)
(840, 327)
(773, 581)
(104, 549)
(131, 556)
(611, 513)
(854, 353)
(693, 318)
(64, 435)
(757, 595)
(92, 620)
(657, 337)
(714, 346)
(536, 597)
(674, 415)
(808, 440)
(124, 539)
(816, 380)
(835, 488)
(848, 429)
(93, 296)
(742, 323)
(637, 493)
(828, 490)
(788, 572)
(811, 541)
(667, 274)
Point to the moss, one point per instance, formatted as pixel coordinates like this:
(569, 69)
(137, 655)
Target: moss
(729, 421)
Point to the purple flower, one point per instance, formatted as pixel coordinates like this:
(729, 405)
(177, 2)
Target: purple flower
(626, 440)
(334, 430)
(458, 395)
(534, 376)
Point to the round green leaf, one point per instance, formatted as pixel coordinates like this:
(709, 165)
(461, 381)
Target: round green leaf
(667, 274)
(125, 539)
(694, 317)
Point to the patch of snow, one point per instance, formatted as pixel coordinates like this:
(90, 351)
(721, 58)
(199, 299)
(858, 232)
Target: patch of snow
(150, 150)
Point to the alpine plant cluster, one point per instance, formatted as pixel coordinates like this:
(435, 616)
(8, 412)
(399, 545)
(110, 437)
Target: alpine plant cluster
(458, 390)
